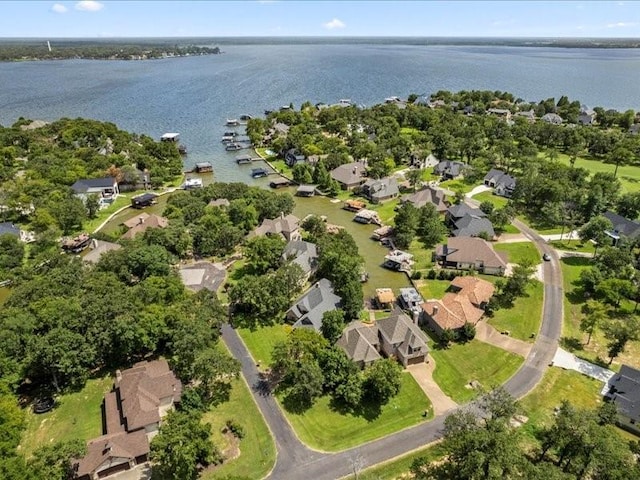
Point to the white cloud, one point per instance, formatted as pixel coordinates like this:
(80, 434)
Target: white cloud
(89, 6)
(59, 8)
(333, 24)
(622, 24)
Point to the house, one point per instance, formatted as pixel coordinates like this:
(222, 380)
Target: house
(429, 162)
(385, 298)
(306, 191)
(144, 200)
(140, 224)
(503, 183)
(361, 344)
(398, 260)
(396, 336)
(529, 115)
(552, 118)
(379, 190)
(624, 392)
(105, 188)
(587, 116)
(292, 157)
(308, 310)
(219, 203)
(97, 248)
(427, 195)
(622, 227)
(634, 129)
(463, 304)
(467, 221)
(202, 276)
(410, 299)
(349, 175)
(287, 226)
(471, 253)
(304, 254)
(449, 169)
(132, 414)
(402, 338)
(500, 113)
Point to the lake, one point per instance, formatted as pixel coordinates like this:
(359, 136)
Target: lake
(195, 95)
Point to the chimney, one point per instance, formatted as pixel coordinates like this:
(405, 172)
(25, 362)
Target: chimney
(435, 309)
(118, 375)
(317, 285)
(415, 314)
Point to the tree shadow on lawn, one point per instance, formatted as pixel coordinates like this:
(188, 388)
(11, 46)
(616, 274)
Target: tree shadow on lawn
(366, 409)
(571, 343)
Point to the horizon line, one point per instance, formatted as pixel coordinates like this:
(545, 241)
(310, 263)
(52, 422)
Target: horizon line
(326, 37)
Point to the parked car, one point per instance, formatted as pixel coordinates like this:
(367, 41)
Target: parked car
(546, 257)
(43, 405)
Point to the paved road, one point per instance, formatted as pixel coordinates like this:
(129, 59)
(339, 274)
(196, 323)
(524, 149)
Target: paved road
(296, 461)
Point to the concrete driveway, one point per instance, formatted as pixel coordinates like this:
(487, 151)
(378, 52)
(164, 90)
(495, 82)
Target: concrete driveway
(488, 334)
(569, 361)
(423, 375)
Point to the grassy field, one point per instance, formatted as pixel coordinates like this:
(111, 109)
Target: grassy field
(497, 201)
(574, 246)
(398, 468)
(432, 288)
(524, 318)
(461, 364)
(324, 428)
(509, 228)
(540, 230)
(121, 201)
(257, 449)
(77, 416)
(421, 255)
(628, 175)
(458, 185)
(260, 342)
(519, 252)
(386, 210)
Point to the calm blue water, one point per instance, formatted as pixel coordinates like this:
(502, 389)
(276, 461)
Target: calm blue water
(195, 95)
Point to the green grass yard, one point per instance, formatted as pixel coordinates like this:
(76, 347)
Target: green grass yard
(257, 449)
(324, 428)
(460, 364)
(261, 341)
(497, 201)
(398, 468)
(386, 210)
(77, 415)
(458, 185)
(524, 318)
(519, 252)
(574, 246)
(432, 288)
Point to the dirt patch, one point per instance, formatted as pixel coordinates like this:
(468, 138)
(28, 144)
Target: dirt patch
(230, 452)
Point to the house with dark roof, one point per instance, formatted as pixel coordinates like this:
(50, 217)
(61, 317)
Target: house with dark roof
(308, 310)
(304, 254)
(132, 414)
(467, 221)
(427, 195)
(293, 156)
(417, 161)
(105, 188)
(471, 253)
(587, 116)
(145, 200)
(287, 226)
(449, 169)
(622, 227)
(379, 190)
(502, 183)
(463, 304)
(361, 343)
(624, 392)
(349, 175)
(552, 118)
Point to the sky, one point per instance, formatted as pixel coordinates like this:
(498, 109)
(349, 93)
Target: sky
(107, 18)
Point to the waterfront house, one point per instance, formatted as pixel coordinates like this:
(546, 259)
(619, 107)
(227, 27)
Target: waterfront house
(106, 188)
(287, 226)
(140, 223)
(471, 253)
(552, 118)
(467, 221)
(132, 415)
(378, 190)
(97, 249)
(293, 157)
(145, 200)
(361, 343)
(624, 392)
(309, 309)
(434, 196)
(449, 169)
(349, 175)
(303, 254)
(502, 183)
(622, 227)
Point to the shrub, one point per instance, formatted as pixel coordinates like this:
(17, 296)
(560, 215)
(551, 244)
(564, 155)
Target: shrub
(442, 275)
(234, 427)
(431, 274)
(417, 275)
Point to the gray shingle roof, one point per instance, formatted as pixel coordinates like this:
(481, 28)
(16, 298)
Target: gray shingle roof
(472, 226)
(349, 173)
(622, 225)
(82, 186)
(309, 309)
(359, 342)
(462, 209)
(427, 195)
(381, 188)
(625, 392)
(399, 330)
(449, 167)
(302, 253)
(498, 178)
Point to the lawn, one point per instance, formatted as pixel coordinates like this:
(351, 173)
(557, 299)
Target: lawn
(460, 364)
(457, 185)
(574, 246)
(260, 342)
(398, 468)
(257, 449)
(538, 228)
(432, 288)
(520, 252)
(524, 318)
(497, 200)
(325, 428)
(386, 210)
(510, 228)
(421, 255)
(281, 167)
(76, 416)
(102, 215)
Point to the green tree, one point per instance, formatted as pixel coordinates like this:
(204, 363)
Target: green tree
(213, 371)
(182, 446)
(619, 333)
(11, 252)
(595, 313)
(382, 380)
(92, 204)
(406, 224)
(69, 213)
(302, 173)
(55, 461)
(414, 176)
(264, 253)
(595, 230)
(430, 228)
(332, 325)
(613, 290)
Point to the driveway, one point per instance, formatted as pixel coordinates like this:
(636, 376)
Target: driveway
(477, 190)
(423, 375)
(488, 334)
(569, 361)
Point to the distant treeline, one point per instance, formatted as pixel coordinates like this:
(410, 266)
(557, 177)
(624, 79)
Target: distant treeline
(98, 51)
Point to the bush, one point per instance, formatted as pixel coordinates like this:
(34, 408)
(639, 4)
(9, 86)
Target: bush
(431, 274)
(417, 275)
(234, 427)
(442, 275)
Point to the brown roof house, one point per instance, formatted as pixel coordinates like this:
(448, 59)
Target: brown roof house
(288, 226)
(463, 304)
(427, 195)
(140, 224)
(141, 397)
(395, 336)
(98, 248)
(471, 253)
(349, 175)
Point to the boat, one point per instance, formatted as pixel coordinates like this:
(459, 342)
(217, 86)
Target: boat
(182, 149)
(232, 122)
(259, 172)
(227, 139)
(192, 183)
(233, 147)
(245, 118)
(230, 134)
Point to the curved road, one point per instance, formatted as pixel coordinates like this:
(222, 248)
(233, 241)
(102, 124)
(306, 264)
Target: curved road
(297, 461)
